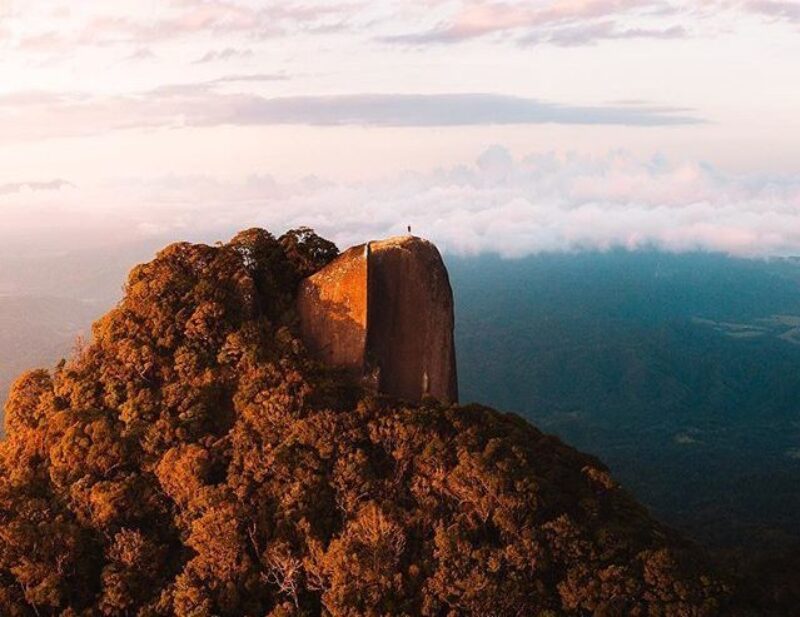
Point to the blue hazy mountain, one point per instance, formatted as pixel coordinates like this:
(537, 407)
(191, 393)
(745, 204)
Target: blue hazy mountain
(681, 371)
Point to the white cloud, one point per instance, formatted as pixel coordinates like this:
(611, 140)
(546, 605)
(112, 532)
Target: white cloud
(545, 202)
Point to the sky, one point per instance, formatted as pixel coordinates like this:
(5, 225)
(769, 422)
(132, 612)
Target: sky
(505, 127)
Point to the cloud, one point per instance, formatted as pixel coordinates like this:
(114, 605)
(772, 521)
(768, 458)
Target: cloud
(780, 9)
(203, 104)
(398, 110)
(49, 185)
(185, 18)
(499, 203)
(142, 53)
(251, 77)
(560, 22)
(572, 36)
(35, 98)
(234, 23)
(222, 55)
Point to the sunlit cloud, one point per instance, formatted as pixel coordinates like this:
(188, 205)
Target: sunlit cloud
(119, 24)
(347, 90)
(250, 77)
(598, 31)
(142, 53)
(779, 9)
(499, 203)
(560, 22)
(223, 55)
(47, 185)
(48, 115)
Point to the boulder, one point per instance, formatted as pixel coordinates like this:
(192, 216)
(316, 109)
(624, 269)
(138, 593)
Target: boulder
(384, 312)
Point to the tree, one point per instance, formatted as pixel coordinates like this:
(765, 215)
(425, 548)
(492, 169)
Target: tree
(193, 460)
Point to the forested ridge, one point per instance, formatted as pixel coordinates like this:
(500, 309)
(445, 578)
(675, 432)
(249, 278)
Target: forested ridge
(192, 460)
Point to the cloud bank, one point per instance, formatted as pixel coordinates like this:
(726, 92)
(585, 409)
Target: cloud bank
(109, 24)
(558, 22)
(46, 185)
(498, 204)
(45, 115)
(787, 10)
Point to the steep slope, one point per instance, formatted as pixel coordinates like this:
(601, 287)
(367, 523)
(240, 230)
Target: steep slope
(384, 311)
(193, 460)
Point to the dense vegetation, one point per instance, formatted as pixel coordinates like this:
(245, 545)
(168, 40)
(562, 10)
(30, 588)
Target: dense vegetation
(193, 461)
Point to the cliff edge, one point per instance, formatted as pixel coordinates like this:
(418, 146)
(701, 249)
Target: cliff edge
(384, 311)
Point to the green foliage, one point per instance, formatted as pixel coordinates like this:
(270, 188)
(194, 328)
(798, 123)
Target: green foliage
(194, 461)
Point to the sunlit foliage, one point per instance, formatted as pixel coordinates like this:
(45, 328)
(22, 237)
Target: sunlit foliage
(193, 461)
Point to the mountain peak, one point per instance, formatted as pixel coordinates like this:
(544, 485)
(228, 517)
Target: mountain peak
(384, 311)
(194, 460)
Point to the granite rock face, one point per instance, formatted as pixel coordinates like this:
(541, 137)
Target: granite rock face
(384, 311)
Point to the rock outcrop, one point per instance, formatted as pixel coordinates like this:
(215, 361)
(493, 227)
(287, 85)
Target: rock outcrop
(384, 312)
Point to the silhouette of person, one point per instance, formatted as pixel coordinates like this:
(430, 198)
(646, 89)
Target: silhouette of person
(409, 229)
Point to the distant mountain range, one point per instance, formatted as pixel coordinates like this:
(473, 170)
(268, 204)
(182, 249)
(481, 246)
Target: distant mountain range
(38, 330)
(48, 299)
(680, 371)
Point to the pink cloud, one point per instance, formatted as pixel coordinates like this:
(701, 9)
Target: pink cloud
(182, 18)
(781, 9)
(545, 202)
(30, 116)
(223, 55)
(559, 21)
